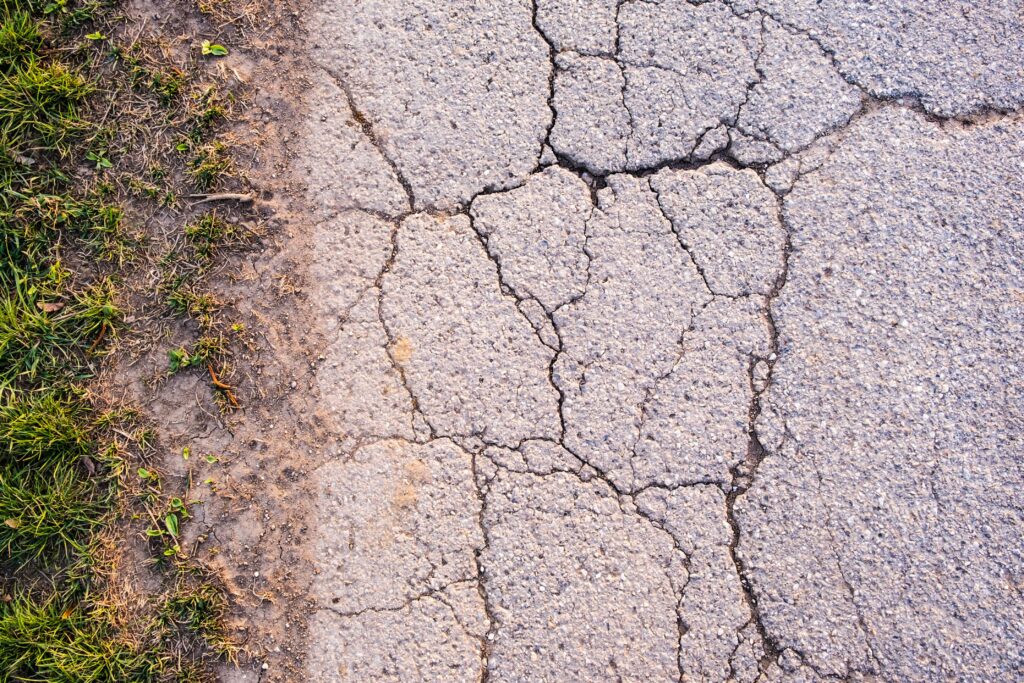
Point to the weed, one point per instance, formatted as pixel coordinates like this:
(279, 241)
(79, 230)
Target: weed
(213, 49)
(178, 359)
(207, 349)
(209, 165)
(208, 232)
(166, 530)
(99, 157)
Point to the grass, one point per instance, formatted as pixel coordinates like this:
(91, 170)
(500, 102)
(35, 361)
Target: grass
(209, 164)
(55, 643)
(20, 39)
(197, 612)
(210, 232)
(48, 515)
(39, 102)
(43, 338)
(184, 300)
(49, 505)
(72, 99)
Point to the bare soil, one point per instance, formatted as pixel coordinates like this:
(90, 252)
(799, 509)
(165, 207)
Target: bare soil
(251, 506)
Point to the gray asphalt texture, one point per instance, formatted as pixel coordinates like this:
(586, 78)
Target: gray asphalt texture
(671, 340)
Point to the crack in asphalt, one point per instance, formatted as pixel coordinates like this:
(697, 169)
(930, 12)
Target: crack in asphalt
(588, 470)
(367, 128)
(433, 593)
(392, 339)
(744, 474)
(552, 68)
(542, 320)
(487, 639)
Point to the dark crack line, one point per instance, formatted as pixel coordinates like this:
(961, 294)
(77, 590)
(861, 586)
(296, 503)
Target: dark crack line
(907, 97)
(743, 474)
(367, 129)
(553, 68)
(487, 640)
(652, 391)
(683, 245)
(509, 292)
(433, 593)
(627, 507)
(734, 125)
(389, 346)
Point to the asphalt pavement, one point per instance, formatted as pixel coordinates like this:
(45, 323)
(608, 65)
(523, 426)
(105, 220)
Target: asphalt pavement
(671, 340)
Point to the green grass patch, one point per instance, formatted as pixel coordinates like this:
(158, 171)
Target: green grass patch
(20, 39)
(56, 643)
(198, 612)
(39, 429)
(39, 103)
(209, 164)
(48, 514)
(43, 338)
(50, 497)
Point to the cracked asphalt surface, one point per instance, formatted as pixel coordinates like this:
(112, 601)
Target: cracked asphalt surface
(671, 340)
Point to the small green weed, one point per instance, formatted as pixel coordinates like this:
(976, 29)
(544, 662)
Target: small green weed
(213, 49)
(210, 163)
(207, 349)
(210, 231)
